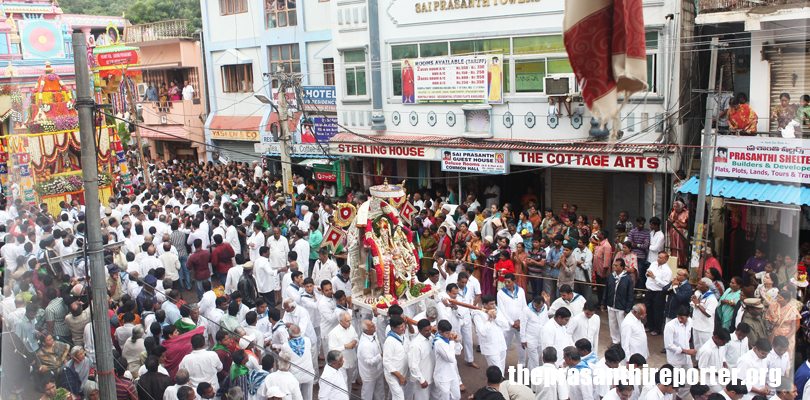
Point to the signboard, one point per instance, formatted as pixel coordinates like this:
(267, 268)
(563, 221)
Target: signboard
(303, 149)
(394, 151)
(460, 79)
(420, 12)
(480, 161)
(326, 176)
(324, 128)
(767, 159)
(592, 161)
(250, 136)
(292, 103)
(223, 158)
(122, 58)
(320, 98)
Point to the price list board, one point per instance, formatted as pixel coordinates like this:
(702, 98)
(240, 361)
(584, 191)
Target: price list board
(451, 79)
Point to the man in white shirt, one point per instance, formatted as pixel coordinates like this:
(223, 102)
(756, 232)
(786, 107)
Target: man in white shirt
(676, 342)
(188, 92)
(446, 346)
(712, 355)
(332, 384)
(778, 360)
(755, 359)
(738, 345)
(171, 263)
(703, 304)
(369, 363)
(299, 350)
(395, 360)
(294, 289)
(555, 333)
(634, 338)
(235, 273)
(328, 313)
(467, 294)
(659, 275)
(341, 281)
(577, 367)
(422, 361)
(533, 318)
(493, 195)
(574, 302)
(202, 365)
(255, 242)
(657, 239)
(325, 268)
(266, 276)
(663, 389)
(586, 325)
(491, 324)
(181, 380)
(550, 388)
(279, 247)
(343, 338)
(511, 301)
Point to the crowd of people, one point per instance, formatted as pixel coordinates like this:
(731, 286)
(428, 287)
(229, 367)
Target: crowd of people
(219, 289)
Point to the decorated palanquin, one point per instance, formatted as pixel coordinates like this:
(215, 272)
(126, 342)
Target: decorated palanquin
(45, 164)
(381, 250)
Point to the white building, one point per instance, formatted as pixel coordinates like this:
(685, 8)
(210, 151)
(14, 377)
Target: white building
(526, 36)
(244, 40)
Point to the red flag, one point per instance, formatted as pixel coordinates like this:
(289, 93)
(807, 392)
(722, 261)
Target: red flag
(605, 41)
(177, 348)
(408, 211)
(332, 238)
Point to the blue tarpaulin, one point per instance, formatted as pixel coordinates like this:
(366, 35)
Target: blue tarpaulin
(752, 191)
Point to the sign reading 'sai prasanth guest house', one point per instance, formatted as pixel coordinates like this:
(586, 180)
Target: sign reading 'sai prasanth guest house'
(766, 159)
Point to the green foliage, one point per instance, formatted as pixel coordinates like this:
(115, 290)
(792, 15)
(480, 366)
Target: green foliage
(145, 11)
(139, 11)
(123, 134)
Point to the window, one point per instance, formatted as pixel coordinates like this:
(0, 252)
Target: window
(399, 53)
(285, 57)
(433, 49)
(652, 60)
(329, 71)
(529, 74)
(355, 63)
(487, 46)
(280, 13)
(228, 7)
(539, 45)
(237, 78)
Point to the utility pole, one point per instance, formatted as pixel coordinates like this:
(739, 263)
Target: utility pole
(284, 125)
(134, 116)
(101, 320)
(705, 164)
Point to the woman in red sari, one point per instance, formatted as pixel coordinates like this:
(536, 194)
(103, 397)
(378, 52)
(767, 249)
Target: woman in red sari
(407, 83)
(784, 318)
(679, 220)
(445, 244)
(741, 117)
(519, 258)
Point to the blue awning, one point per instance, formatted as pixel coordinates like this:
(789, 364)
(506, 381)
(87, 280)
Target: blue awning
(751, 191)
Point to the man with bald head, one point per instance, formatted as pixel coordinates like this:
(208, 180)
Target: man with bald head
(343, 338)
(634, 338)
(369, 362)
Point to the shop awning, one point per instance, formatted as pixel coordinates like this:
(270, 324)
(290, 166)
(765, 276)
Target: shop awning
(751, 191)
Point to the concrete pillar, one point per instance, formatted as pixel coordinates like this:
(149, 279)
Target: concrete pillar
(166, 155)
(152, 149)
(86, 31)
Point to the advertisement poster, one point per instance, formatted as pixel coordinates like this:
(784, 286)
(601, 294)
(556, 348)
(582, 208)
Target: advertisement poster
(461, 79)
(767, 159)
(324, 128)
(487, 162)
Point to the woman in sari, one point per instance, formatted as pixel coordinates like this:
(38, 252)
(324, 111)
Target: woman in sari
(596, 226)
(728, 301)
(521, 271)
(474, 254)
(51, 355)
(630, 260)
(678, 222)
(783, 318)
(717, 286)
(554, 228)
(174, 92)
(463, 235)
(741, 117)
(582, 226)
(445, 244)
(784, 112)
(429, 242)
(768, 290)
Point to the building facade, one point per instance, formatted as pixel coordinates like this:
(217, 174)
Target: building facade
(245, 42)
(416, 97)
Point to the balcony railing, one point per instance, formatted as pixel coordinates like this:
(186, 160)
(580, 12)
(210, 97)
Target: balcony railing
(712, 6)
(172, 29)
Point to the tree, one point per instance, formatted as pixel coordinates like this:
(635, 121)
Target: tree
(139, 11)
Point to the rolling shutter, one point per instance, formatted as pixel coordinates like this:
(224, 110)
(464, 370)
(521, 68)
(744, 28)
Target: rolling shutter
(792, 61)
(239, 151)
(586, 189)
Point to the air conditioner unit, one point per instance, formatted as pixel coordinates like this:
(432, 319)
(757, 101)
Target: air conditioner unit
(560, 84)
(142, 90)
(162, 119)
